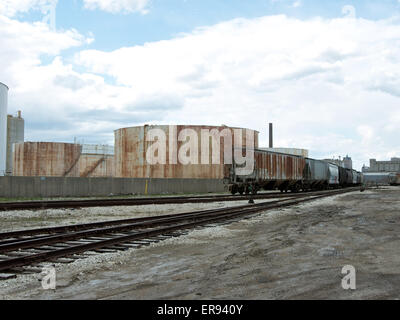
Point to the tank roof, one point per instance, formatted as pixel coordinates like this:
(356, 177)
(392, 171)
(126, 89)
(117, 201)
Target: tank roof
(185, 125)
(5, 85)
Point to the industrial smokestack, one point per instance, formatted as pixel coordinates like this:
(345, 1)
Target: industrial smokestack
(271, 136)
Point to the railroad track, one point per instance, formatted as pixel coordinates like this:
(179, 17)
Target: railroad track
(56, 204)
(25, 251)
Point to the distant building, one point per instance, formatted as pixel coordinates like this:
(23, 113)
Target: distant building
(15, 134)
(365, 168)
(383, 166)
(292, 151)
(338, 162)
(347, 162)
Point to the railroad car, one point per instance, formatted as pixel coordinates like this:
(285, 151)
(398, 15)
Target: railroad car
(342, 177)
(319, 174)
(285, 172)
(349, 177)
(360, 179)
(354, 174)
(377, 178)
(394, 179)
(272, 170)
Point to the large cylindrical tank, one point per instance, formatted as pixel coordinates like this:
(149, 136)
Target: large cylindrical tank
(3, 127)
(48, 159)
(132, 151)
(96, 165)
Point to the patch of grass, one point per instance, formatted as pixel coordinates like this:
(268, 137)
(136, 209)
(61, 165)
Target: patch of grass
(19, 199)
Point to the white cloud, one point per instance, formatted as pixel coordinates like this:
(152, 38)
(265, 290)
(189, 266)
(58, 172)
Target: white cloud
(319, 80)
(118, 6)
(10, 8)
(330, 85)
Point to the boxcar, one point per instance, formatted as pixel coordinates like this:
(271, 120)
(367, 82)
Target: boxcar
(319, 174)
(355, 177)
(272, 170)
(333, 175)
(394, 179)
(349, 178)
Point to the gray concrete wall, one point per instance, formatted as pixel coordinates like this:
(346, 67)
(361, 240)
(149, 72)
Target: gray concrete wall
(37, 187)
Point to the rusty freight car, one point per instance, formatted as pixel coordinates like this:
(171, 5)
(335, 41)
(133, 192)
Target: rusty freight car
(272, 170)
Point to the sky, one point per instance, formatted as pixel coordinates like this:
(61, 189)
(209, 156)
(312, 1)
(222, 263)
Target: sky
(326, 73)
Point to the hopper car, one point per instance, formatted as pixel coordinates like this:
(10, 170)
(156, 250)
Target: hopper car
(286, 172)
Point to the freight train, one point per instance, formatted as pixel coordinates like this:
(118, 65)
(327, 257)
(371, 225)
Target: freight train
(285, 172)
(394, 179)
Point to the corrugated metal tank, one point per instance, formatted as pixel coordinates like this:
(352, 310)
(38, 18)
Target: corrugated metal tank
(46, 159)
(131, 148)
(96, 165)
(3, 127)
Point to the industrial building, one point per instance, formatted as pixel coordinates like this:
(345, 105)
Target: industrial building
(15, 134)
(346, 163)
(383, 166)
(291, 151)
(11, 131)
(3, 127)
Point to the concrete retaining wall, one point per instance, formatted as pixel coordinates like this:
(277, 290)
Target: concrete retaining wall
(37, 187)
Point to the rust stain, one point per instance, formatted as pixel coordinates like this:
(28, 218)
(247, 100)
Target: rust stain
(56, 160)
(130, 155)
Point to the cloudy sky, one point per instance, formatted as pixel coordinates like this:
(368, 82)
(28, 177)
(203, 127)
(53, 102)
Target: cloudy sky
(326, 73)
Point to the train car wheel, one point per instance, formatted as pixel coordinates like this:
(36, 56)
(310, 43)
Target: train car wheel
(234, 189)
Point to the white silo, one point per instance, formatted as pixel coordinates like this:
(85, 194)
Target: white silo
(3, 127)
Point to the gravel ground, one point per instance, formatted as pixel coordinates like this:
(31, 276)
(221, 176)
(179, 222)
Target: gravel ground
(292, 253)
(29, 219)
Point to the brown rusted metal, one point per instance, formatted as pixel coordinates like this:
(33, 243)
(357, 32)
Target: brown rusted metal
(96, 165)
(45, 159)
(59, 160)
(272, 166)
(131, 147)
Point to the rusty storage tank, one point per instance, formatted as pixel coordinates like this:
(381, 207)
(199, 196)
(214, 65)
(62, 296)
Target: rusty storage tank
(136, 155)
(96, 165)
(46, 159)
(96, 161)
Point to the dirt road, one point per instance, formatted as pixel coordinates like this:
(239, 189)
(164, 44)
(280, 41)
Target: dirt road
(294, 253)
